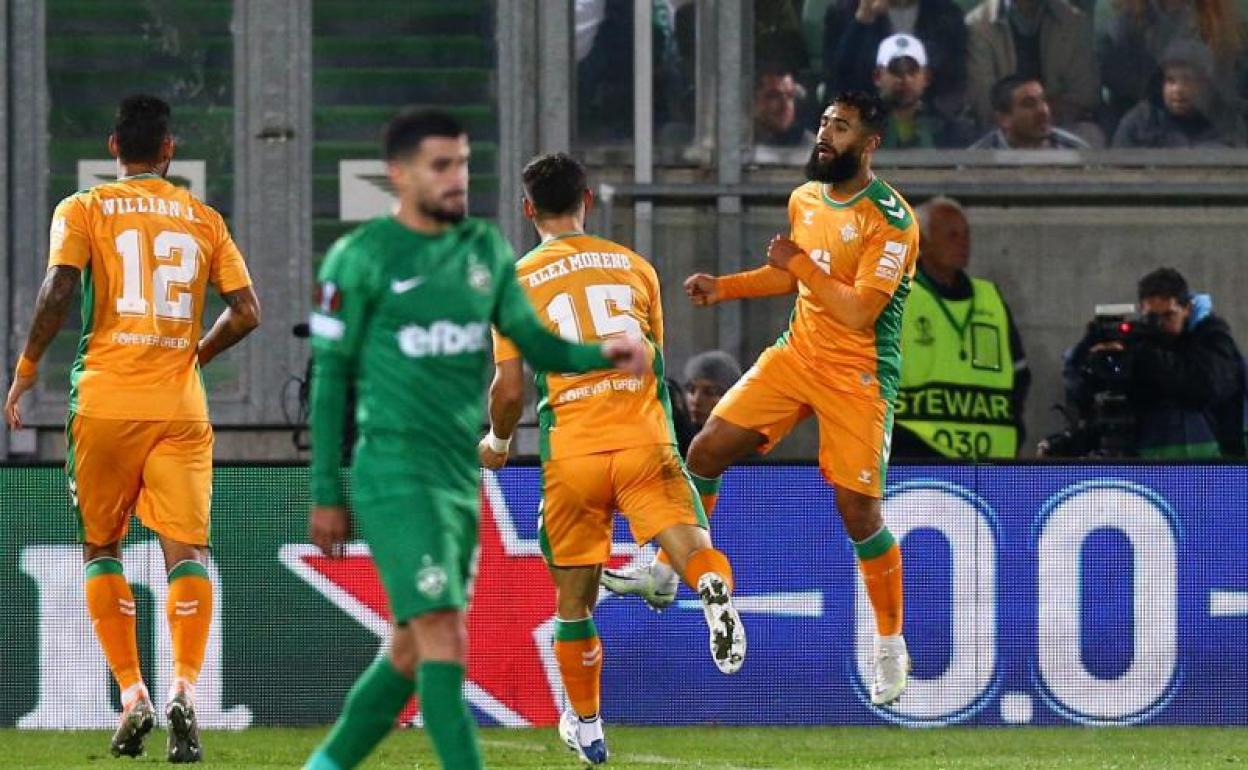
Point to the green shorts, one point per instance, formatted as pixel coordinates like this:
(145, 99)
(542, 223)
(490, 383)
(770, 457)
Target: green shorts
(423, 536)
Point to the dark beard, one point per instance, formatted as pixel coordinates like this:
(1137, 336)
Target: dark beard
(840, 168)
(445, 216)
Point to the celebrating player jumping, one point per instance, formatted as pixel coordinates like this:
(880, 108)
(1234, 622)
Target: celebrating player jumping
(850, 256)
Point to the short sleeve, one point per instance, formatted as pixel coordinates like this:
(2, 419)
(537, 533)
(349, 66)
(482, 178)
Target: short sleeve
(504, 349)
(886, 257)
(69, 241)
(228, 271)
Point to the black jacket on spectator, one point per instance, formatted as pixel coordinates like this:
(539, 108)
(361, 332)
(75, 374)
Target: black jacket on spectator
(1185, 392)
(850, 48)
(1149, 124)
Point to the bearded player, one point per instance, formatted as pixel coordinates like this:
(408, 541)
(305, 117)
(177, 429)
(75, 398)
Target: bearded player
(139, 440)
(404, 314)
(850, 257)
(606, 441)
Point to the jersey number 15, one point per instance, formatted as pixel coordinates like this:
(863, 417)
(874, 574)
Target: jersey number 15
(602, 299)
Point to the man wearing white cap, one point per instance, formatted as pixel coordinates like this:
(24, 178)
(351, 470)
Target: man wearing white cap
(902, 76)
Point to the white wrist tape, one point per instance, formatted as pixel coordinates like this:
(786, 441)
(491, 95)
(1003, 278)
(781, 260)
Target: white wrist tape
(497, 444)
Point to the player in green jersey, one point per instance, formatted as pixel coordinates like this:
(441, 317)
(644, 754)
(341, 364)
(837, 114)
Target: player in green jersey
(404, 308)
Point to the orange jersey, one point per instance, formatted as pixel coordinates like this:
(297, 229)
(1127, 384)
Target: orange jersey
(588, 288)
(872, 241)
(148, 250)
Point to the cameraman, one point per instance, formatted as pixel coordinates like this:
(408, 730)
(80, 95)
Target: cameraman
(1180, 372)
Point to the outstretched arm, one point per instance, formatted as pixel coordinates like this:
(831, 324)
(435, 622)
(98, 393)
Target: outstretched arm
(51, 307)
(765, 281)
(240, 318)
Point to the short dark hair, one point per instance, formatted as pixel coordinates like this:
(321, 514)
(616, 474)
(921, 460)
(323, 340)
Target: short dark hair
(1165, 282)
(872, 110)
(554, 183)
(772, 68)
(1002, 94)
(142, 125)
(404, 132)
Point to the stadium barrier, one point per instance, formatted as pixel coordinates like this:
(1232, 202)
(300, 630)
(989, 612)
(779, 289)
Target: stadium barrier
(1036, 594)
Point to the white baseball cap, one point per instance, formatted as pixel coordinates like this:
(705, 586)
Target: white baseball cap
(897, 46)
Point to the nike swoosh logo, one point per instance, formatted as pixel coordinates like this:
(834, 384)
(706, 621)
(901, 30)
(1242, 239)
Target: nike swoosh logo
(399, 287)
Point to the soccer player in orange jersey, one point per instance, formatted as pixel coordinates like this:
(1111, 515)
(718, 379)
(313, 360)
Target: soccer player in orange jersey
(139, 440)
(850, 256)
(606, 440)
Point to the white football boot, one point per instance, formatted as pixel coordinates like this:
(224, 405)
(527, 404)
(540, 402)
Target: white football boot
(655, 583)
(724, 623)
(892, 669)
(585, 737)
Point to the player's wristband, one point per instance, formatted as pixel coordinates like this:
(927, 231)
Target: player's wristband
(26, 367)
(499, 445)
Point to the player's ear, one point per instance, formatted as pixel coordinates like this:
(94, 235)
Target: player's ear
(530, 213)
(113, 149)
(167, 148)
(874, 141)
(587, 202)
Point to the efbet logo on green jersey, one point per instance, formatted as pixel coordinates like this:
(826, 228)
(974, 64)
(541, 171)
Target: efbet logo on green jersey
(442, 338)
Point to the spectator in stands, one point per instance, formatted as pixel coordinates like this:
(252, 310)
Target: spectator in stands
(1045, 40)
(778, 35)
(1133, 35)
(604, 70)
(708, 376)
(1180, 371)
(964, 376)
(854, 29)
(902, 76)
(779, 137)
(1024, 121)
(1184, 110)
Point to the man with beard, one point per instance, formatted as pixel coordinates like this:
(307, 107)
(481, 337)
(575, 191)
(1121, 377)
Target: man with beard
(903, 77)
(404, 309)
(850, 256)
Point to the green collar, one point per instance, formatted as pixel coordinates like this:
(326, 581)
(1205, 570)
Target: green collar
(823, 192)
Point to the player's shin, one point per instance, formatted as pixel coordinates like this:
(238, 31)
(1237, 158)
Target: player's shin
(579, 652)
(370, 711)
(879, 560)
(189, 610)
(110, 603)
(448, 722)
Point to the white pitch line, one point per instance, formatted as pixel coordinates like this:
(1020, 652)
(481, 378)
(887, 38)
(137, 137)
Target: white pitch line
(1224, 604)
(652, 759)
(796, 604)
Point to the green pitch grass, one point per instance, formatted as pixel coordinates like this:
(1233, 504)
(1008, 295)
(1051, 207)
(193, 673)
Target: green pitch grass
(712, 748)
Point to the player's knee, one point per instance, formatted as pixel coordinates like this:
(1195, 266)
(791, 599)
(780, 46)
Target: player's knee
(441, 635)
(404, 654)
(91, 552)
(714, 449)
(862, 515)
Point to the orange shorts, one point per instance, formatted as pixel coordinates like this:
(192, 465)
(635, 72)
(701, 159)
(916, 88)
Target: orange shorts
(160, 470)
(780, 391)
(647, 484)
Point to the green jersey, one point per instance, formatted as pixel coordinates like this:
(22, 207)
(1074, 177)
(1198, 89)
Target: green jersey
(404, 318)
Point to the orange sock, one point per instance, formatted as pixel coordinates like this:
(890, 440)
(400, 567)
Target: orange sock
(879, 560)
(189, 609)
(707, 560)
(579, 652)
(110, 603)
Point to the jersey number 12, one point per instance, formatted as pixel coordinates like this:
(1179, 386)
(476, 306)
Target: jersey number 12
(179, 274)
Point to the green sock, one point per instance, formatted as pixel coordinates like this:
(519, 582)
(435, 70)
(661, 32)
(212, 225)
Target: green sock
(447, 720)
(367, 717)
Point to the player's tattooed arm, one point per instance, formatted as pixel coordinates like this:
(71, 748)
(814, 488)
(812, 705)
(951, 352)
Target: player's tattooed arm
(240, 317)
(55, 296)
